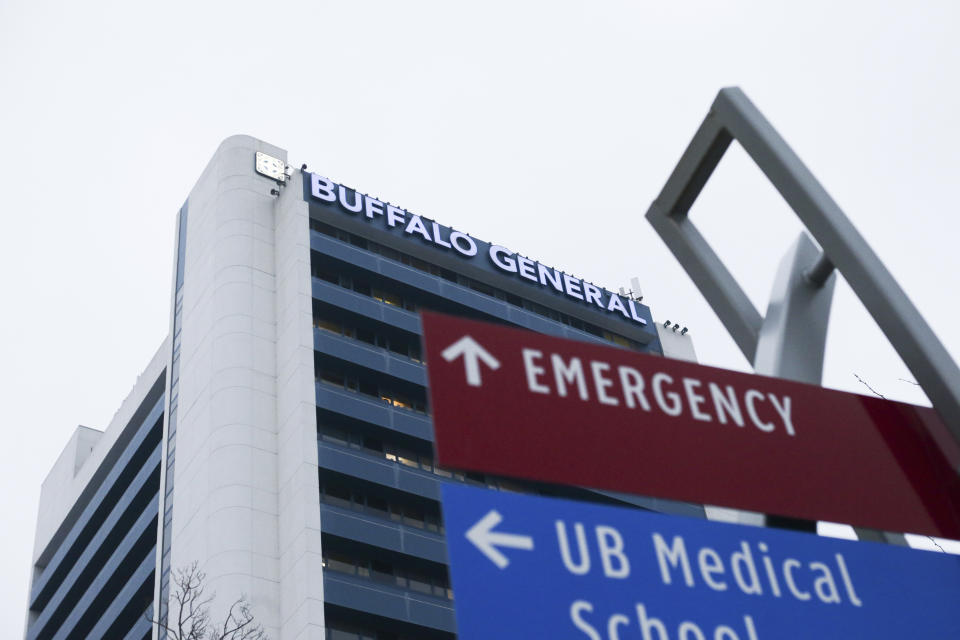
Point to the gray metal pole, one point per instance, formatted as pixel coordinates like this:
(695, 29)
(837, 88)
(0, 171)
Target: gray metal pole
(793, 335)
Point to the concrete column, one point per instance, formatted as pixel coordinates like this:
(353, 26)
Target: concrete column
(301, 571)
(226, 495)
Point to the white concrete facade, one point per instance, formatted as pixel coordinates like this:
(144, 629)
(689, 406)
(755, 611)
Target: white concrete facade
(675, 344)
(246, 498)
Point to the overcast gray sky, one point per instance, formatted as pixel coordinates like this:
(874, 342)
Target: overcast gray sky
(547, 127)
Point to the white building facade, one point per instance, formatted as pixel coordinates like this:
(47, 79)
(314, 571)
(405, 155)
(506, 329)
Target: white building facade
(281, 436)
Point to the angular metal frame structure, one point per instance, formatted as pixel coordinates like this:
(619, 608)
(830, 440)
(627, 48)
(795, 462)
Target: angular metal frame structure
(734, 117)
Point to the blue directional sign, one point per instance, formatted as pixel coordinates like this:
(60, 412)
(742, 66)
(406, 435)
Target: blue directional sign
(531, 567)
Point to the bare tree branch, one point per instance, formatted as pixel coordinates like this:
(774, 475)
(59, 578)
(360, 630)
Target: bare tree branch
(240, 623)
(937, 544)
(872, 390)
(193, 612)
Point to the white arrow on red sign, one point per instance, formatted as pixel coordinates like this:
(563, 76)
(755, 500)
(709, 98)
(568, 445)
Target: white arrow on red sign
(472, 354)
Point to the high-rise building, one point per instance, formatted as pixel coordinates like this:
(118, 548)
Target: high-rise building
(281, 436)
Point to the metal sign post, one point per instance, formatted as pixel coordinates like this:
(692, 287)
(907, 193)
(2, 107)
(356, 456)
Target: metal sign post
(789, 342)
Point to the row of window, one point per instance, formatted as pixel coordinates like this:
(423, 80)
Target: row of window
(363, 287)
(385, 572)
(409, 458)
(337, 494)
(386, 252)
(446, 274)
(376, 446)
(373, 389)
(409, 348)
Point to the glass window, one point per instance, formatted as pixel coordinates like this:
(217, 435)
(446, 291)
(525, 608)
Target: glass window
(407, 458)
(328, 325)
(323, 228)
(481, 287)
(476, 479)
(382, 571)
(338, 495)
(373, 444)
(426, 463)
(420, 583)
(415, 353)
(378, 507)
(340, 562)
(361, 287)
(510, 485)
(616, 339)
(331, 377)
(368, 387)
(413, 516)
(328, 275)
(334, 434)
(388, 297)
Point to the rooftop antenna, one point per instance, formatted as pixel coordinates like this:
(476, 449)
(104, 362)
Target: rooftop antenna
(634, 292)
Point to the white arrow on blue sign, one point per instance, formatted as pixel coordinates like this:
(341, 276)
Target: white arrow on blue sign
(487, 540)
(530, 567)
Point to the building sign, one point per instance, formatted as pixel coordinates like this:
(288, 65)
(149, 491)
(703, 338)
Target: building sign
(354, 203)
(517, 403)
(532, 567)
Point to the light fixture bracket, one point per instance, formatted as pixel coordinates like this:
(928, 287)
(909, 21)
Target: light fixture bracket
(270, 167)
